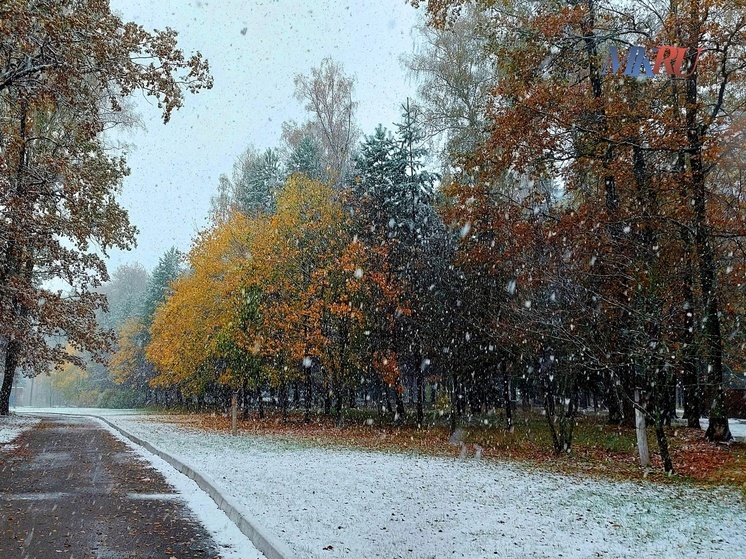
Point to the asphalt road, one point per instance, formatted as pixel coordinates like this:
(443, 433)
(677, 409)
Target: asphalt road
(69, 489)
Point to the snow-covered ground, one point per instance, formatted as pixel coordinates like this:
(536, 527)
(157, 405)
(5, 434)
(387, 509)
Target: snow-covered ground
(13, 425)
(342, 503)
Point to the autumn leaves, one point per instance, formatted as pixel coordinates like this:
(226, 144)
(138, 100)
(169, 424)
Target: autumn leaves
(270, 299)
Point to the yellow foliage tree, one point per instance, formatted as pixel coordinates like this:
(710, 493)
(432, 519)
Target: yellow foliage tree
(189, 328)
(296, 265)
(279, 299)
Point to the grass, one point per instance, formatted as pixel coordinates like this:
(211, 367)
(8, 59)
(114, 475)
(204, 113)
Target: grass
(598, 449)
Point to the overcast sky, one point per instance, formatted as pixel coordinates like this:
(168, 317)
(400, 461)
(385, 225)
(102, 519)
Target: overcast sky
(255, 48)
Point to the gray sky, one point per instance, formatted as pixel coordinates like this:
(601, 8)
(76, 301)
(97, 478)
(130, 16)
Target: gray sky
(175, 168)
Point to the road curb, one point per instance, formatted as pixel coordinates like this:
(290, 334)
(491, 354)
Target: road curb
(267, 543)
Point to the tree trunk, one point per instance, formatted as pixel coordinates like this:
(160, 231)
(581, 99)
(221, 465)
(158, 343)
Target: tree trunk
(660, 435)
(9, 371)
(506, 396)
(260, 402)
(327, 392)
(338, 408)
(308, 395)
(642, 438)
(400, 411)
(613, 402)
(454, 405)
(718, 429)
(234, 414)
(284, 399)
(420, 388)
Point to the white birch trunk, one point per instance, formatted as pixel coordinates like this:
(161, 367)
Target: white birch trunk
(642, 439)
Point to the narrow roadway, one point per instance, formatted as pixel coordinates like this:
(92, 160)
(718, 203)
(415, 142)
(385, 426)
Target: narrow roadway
(69, 489)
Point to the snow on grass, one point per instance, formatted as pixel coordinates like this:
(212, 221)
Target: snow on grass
(341, 503)
(12, 425)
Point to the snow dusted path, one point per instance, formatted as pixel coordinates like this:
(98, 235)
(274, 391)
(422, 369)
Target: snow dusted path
(340, 503)
(71, 489)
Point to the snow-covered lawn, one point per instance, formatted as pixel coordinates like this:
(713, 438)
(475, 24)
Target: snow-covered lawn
(342, 503)
(13, 425)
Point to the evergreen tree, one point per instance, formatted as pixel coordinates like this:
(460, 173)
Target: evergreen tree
(394, 193)
(415, 193)
(305, 158)
(257, 188)
(379, 172)
(159, 287)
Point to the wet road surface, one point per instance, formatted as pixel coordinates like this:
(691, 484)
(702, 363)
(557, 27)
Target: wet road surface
(69, 489)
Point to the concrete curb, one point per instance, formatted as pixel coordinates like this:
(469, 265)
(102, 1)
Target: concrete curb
(268, 544)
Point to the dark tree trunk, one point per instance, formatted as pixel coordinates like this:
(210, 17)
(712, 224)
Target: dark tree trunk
(9, 371)
(327, 392)
(420, 389)
(613, 401)
(718, 429)
(260, 402)
(400, 411)
(284, 401)
(338, 407)
(628, 407)
(454, 405)
(660, 435)
(389, 408)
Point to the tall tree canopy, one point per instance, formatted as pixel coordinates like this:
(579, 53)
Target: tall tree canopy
(639, 243)
(65, 68)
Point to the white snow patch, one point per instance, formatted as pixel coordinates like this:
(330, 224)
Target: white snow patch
(12, 425)
(374, 504)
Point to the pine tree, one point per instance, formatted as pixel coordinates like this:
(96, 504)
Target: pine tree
(257, 189)
(305, 158)
(169, 268)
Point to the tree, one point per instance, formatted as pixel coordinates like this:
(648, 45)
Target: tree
(327, 93)
(201, 308)
(166, 272)
(125, 294)
(638, 236)
(455, 75)
(305, 315)
(66, 66)
(305, 158)
(392, 193)
(128, 365)
(252, 187)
